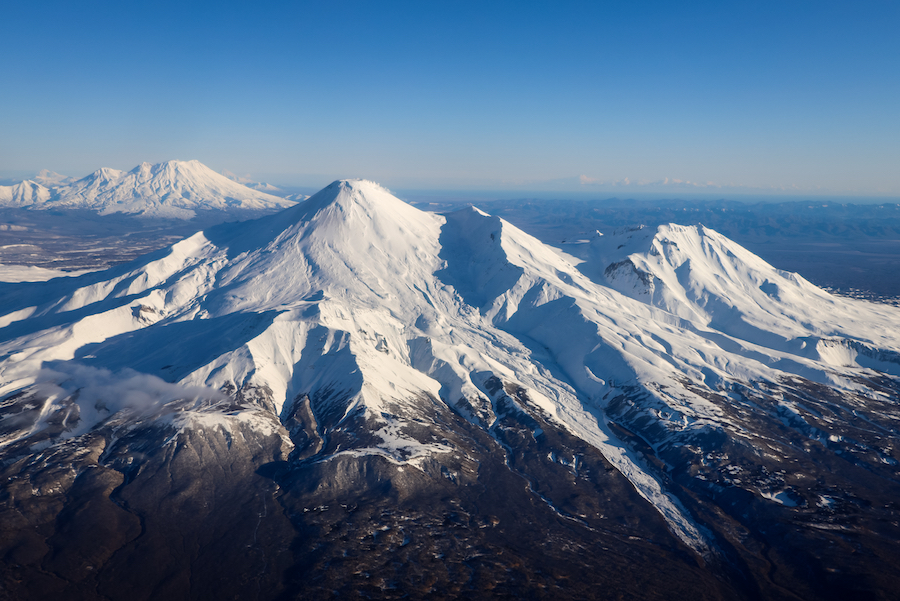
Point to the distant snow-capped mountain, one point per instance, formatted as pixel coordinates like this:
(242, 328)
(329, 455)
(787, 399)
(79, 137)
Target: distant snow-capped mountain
(174, 189)
(297, 197)
(251, 183)
(353, 386)
(265, 187)
(170, 189)
(698, 274)
(24, 194)
(51, 179)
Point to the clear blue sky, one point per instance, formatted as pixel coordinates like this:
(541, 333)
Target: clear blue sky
(751, 96)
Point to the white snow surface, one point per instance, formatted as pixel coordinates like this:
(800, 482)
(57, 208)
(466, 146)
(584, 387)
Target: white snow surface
(51, 179)
(24, 194)
(173, 189)
(31, 273)
(356, 296)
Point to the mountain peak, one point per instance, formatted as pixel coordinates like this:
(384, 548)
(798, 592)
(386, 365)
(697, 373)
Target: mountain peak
(358, 209)
(172, 165)
(171, 189)
(359, 186)
(25, 193)
(346, 193)
(104, 174)
(48, 178)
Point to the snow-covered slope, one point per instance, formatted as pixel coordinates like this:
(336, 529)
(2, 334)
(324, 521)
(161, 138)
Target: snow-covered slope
(702, 276)
(366, 314)
(32, 273)
(24, 194)
(174, 189)
(170, 189)
(51, 179)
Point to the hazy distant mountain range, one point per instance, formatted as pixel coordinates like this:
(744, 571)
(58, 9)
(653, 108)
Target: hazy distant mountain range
(265, 187)
(174, 189)
(353, 397)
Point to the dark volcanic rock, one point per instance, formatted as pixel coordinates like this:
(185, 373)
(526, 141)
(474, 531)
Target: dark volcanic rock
(521, 510)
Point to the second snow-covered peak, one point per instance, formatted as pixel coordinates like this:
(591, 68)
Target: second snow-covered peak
(699, 274)
(169, 189)
(24, 194)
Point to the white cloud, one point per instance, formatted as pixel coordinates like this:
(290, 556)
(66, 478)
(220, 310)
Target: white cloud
(100, 393)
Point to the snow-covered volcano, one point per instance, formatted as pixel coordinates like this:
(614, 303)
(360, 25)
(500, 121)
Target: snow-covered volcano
(173, 189)
(361, 342)
(24, 194)
(51, 179)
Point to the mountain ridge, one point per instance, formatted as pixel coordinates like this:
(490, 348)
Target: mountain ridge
(24, 194)
(369, 346)
(172, 189)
